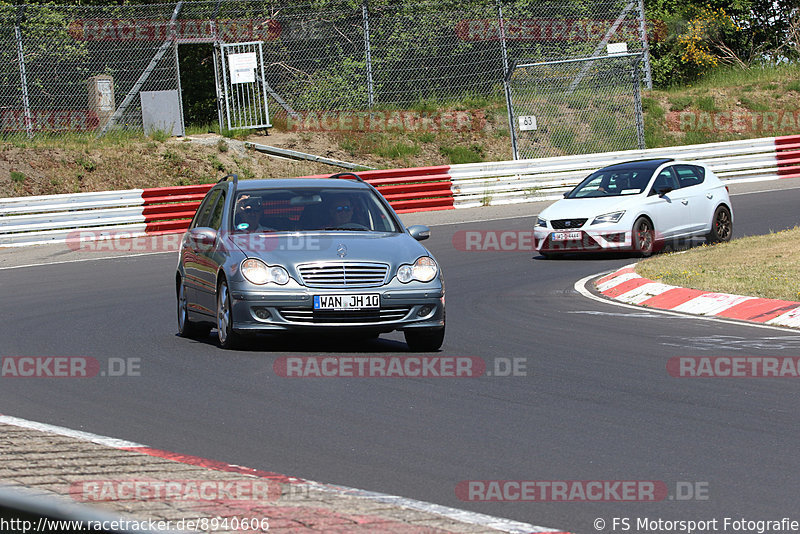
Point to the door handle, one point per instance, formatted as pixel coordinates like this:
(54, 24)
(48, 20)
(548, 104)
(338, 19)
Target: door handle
(709, 196)
(684, 201)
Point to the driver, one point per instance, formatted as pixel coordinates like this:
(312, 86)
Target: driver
(340, 211)
(248, 213)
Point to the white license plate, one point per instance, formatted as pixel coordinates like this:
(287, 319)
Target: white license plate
(347, 302)
(566, 236)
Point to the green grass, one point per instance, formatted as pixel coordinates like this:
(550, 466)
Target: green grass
(754, 105)
(706, 103)
(680, 102)
(159, 135)
(463, 154)
(397, 150)
(765, 266)
(17, 177)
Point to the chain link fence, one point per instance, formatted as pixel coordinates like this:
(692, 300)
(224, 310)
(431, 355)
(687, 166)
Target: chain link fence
(82, 68)
(576, 106)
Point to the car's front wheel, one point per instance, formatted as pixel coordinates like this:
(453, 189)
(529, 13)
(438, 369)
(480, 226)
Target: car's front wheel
(424, 339)
(721, 226)
(228, 339)
(643, 237)
(186, 327)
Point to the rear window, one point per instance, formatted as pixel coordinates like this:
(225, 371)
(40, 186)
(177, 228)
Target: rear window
(689, 175)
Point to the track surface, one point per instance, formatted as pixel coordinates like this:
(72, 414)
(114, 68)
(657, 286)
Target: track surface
(597, 404)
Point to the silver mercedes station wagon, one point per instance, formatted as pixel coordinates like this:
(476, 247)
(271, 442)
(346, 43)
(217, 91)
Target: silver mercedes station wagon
(266, 256)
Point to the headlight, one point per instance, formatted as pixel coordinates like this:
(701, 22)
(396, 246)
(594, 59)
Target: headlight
(259, 273)
(541, 222)
(608, 217)
(423, 270)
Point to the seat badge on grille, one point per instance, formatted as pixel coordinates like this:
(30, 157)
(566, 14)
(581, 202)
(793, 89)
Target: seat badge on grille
(567, 223)
(341, 250)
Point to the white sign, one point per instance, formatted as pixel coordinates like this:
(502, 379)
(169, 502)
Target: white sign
(617, 48)
(527, 122)
(243, 67)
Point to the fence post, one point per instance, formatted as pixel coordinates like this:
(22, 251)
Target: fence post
(506, 79)
(648, 76)
(368, 55)
(637, 99)
(23, 76)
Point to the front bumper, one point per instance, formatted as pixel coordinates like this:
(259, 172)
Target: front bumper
(606, 239)
(400, 309)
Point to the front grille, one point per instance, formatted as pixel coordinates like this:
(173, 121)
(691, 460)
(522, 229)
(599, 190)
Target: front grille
(310, 316)
(567, 224)
(343, 274)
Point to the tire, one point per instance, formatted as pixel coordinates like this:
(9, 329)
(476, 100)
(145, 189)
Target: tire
(228, 339)
(721, 226)
(186, 327)
(551, 255)
(644, 237)
(424, 339)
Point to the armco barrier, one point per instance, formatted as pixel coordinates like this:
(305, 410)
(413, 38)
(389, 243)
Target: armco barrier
(47, 219)
(788, 154)
(507, 182)
(50, 219)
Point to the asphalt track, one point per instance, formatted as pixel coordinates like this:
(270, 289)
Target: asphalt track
(597, 403)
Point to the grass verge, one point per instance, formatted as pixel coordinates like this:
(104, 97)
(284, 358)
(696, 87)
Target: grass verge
(766, 266)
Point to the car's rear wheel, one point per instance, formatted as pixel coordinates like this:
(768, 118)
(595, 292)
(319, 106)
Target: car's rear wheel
(228, 339)
(721, 226)
(643, 237)
(186, 327)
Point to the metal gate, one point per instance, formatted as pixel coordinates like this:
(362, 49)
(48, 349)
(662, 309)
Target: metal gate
(575, 106)
(241, 86)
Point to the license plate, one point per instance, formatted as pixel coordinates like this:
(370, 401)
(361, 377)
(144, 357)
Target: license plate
(347, 302)
(566, 236)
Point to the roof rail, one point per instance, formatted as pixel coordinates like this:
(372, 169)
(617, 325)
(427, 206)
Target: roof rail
(232, 175)
(346, 175)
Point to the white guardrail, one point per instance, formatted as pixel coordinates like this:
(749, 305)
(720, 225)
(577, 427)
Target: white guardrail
(509, 182)
(48, 219)
(52, 218)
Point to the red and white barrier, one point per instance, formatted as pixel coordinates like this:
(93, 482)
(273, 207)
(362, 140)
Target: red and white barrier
(48, 219)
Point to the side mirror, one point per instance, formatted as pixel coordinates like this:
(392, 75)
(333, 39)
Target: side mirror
(664, 190)
(203, 236)
(420, 232)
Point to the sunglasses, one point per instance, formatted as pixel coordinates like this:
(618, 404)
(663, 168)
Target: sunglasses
(342, 209)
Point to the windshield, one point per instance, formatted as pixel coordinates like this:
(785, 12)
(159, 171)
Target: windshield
(310, 209)
(612, 183)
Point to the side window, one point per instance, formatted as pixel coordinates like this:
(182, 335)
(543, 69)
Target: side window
(665, 179)
(216, 213)
(203, 215)
(689, 175)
